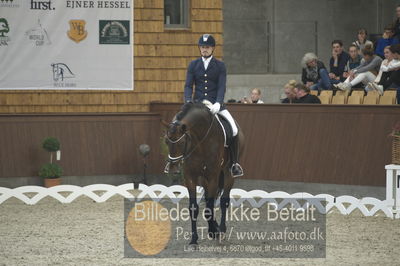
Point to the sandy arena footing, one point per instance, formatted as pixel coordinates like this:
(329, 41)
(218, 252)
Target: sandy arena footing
(88, 233)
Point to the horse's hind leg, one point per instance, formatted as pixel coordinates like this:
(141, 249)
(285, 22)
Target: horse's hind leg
(224, 206)
(225, 201)
(194, 211)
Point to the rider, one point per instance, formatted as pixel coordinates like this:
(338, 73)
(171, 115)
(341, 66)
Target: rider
(208, 75)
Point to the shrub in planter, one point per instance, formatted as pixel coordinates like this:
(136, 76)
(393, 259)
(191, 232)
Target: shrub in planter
(50, 171)
(51, 144)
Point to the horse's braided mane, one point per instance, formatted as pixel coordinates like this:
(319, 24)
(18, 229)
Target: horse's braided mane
(187, 107)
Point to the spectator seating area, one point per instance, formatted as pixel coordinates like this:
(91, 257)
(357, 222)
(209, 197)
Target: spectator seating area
(356, 97)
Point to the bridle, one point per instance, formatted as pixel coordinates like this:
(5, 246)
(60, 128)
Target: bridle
(185, 155)
(182, 156)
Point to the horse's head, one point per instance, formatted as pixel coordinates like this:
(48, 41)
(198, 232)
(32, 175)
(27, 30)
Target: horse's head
(194, 120)
(177, 140)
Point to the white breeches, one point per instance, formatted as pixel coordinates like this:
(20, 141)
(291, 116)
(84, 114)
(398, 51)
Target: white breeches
(225, 113)
(364, 77)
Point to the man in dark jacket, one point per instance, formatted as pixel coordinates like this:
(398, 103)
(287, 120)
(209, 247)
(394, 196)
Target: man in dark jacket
(303, 95)
(208, 76)
(338, 62)
(386, 40)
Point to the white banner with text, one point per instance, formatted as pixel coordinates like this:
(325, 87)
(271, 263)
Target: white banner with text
(66, 44)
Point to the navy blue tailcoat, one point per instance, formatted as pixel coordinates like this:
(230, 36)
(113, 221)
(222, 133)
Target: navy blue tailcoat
(208, 84)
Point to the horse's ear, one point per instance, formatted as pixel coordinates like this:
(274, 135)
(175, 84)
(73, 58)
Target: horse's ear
(164, 123)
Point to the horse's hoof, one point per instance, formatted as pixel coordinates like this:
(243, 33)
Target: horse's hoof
(193, 243)
(214, 235)
(221, 236)
(222, 229)
(214, 231)
(194, 239)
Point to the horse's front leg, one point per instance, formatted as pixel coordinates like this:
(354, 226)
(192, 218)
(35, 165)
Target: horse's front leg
(213, 228)
(194, 212)
(225, 198)
(211, 195)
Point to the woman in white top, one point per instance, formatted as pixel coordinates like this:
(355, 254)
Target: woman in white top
(382, 81)
(255, 97)
(362, 41)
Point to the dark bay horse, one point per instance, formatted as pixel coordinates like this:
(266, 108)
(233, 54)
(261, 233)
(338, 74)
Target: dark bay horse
(196, 143)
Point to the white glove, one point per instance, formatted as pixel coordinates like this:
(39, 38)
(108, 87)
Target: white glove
(215, 108)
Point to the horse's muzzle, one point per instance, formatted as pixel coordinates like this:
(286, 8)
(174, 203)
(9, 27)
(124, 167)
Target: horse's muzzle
(166, 168)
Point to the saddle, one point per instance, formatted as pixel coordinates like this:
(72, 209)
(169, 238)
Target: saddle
(225, 125)
(227, 129)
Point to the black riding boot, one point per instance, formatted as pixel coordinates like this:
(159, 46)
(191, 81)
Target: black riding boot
(236, 169)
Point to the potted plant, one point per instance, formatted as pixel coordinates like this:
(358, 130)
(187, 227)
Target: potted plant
(396, 143)
(51, 172)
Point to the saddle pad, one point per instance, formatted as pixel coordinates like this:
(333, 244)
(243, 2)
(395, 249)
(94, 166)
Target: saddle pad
(227, 129)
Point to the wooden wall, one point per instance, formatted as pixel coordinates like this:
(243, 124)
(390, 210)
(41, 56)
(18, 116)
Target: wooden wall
(338, 144)
(161, 58)
(91, 144)
(342, 144)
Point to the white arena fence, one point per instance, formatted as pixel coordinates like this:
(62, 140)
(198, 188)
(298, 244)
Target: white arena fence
(344, 204)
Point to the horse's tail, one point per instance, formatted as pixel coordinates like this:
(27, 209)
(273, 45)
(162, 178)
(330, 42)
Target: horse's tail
(221, 183)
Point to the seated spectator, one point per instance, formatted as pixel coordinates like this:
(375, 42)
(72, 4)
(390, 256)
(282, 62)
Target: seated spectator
(338, 62)
(255, 97)
(362, 40)
(354, 60)
(398, 95)
(394, 79)
(366, 72)
(314, 74)
(303, 95)
(390, 64)
(396, 24)
(386, 40)
(289, 92)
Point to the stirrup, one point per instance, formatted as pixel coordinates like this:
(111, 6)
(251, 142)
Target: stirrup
(240, 170)
(166, 168)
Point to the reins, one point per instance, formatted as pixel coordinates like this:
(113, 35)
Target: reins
(185, 155)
